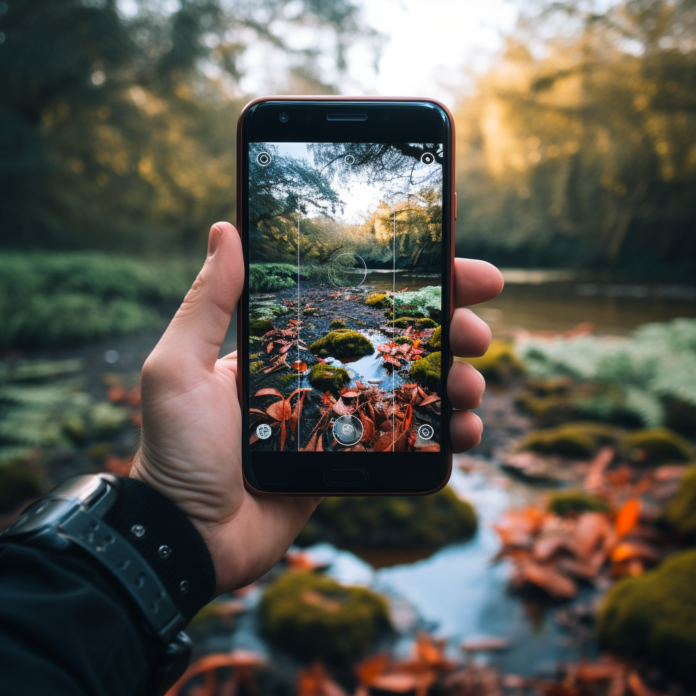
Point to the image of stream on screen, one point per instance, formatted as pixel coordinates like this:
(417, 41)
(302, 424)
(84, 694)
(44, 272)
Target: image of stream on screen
(345, 280)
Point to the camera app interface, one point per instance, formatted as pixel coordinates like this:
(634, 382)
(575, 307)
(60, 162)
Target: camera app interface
(345, 264)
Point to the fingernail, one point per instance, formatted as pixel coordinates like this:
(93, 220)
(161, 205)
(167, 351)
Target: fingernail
(214, 239)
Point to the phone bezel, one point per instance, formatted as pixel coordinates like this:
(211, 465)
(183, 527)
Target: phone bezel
(303, 473)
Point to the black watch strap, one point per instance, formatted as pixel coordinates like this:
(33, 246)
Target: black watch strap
(167, 540)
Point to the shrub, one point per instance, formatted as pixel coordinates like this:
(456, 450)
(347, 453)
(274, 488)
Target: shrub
(500, 362)
(579, 440)
(427, 371)
(653, 617)
(48, 300)
(654, 367)
(436, 339)
(413, 522)
(657, 446)
(343, 343)
(271, 277)
(681, 509)
(567, 502)
(426, 302)
(328, 378)
(314, 617)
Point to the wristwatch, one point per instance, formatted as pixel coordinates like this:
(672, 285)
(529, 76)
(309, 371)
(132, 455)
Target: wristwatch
(146, 546)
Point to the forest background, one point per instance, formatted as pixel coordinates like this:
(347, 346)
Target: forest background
(575, 146)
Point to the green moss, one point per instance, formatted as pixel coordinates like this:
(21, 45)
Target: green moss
(500, 362)
(405, 322)
(328, 378)
(426, 302)
(653, 617)
(255, 366)
(427, 371)
(258, 327)
(377, 299)
(403, 339)
(343, 343)
(426, 323)
(657, 446)
(337, 324)
(436, 339)
(310, 312)
(413, 522)
(566, 502)
(579, 440)
(18, 484)
(314, 617)
(681, 509)
(323, 353)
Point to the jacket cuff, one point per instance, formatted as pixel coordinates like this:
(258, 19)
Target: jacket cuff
(168, 541)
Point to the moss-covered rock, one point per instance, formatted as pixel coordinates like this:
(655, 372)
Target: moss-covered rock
(405, 322)
(427, 371)
(653, 617)
(309, 311)
(414, 522)
(323, 353)
(500, 362)
(580, 440)
(255, 366)
(426, 323)
(258, 327)
(18, 484)
(436, 339)
(313, 617)
(328, 378)
(337, 324)
(681, 509)
(344, 343)
(378, 299)
(657, 446)
(568, 502)
(403, 339)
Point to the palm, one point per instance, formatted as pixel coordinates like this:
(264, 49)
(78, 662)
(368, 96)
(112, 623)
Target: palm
(191, 438)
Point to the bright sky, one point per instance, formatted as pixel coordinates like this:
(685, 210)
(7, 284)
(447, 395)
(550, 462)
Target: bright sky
(431, 45)
(359, 199)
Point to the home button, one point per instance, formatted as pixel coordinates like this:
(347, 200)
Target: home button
(345, 477)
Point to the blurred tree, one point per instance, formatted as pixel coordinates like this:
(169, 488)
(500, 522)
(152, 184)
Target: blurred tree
(580, 145)
(117, 121)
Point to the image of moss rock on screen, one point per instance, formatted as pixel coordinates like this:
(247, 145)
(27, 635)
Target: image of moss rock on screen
(345, 280)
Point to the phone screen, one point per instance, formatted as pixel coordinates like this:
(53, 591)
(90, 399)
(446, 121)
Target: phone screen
(345, 296)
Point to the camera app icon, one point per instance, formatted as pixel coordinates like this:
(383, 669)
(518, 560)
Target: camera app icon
(263, 158)
(264, 431)
(348, 430)
(427, 158)
(349, 159)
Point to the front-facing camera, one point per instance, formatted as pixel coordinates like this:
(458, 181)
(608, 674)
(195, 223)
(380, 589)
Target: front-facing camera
(284, 118)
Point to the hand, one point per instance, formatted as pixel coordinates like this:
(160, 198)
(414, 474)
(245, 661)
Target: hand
(190, 445)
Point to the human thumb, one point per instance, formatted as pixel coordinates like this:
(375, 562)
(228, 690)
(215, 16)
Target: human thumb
(195, 334)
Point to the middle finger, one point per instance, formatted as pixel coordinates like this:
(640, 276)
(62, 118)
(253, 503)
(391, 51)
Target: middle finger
(469, 335)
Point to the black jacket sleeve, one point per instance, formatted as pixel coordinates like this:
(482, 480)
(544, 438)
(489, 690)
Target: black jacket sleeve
(66, 627)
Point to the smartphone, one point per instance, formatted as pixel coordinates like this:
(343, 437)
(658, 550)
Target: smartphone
(345, 207)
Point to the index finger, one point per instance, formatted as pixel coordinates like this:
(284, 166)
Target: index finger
(475, 281)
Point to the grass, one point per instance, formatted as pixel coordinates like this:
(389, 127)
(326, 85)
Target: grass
(50, 300)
